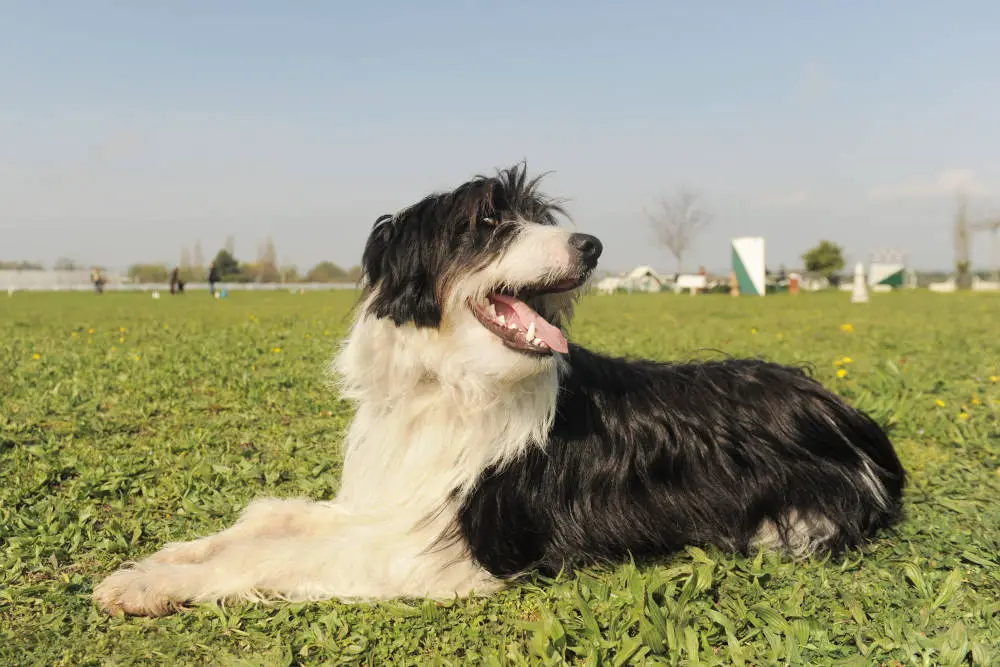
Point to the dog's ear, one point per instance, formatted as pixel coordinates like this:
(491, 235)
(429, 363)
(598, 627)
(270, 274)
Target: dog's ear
(395, 266)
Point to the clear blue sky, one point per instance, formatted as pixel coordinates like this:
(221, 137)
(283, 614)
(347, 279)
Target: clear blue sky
(129, 130)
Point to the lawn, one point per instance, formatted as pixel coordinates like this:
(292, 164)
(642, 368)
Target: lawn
(126, 422)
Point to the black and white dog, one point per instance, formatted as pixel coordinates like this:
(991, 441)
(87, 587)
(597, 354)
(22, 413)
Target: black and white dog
(485, 445)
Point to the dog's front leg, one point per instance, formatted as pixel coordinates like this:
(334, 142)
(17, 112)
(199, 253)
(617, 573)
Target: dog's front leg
(324, 553)
(266, 517)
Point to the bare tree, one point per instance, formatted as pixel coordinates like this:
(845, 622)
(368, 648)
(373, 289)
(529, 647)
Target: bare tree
(963, 277)
(199, 258)
(677, 221)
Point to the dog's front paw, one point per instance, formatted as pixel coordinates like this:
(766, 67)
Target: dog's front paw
(139, 591)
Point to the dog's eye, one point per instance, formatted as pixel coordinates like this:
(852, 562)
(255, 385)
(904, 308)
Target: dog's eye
(491, 221)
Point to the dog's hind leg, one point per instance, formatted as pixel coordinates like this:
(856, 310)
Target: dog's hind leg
(274, 517)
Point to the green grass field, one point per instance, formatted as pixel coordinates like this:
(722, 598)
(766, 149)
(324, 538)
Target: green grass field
(127, 422)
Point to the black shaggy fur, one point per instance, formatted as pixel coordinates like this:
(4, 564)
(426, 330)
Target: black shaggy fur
(646, 457)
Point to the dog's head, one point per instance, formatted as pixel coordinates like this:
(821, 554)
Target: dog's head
(484, 266)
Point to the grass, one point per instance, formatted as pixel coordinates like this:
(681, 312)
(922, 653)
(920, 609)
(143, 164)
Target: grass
(127, 422)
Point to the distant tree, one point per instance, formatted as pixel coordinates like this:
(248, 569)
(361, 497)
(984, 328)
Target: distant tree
(265, 269)
(326, 272)
(963, 273)
(827, 258)
(229, 267)
(677, 221)
(185, 263)
(354, 274)
(66, 264)
(149, 273)
(290, 274)
(198, 260)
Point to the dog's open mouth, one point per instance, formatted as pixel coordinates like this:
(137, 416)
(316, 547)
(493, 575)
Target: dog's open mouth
(508, 315)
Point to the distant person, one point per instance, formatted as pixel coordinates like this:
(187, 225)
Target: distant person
(213, 277)
(98, 280)
(176, 284)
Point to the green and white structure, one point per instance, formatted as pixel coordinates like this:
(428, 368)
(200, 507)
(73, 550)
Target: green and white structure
(886, 273)
(748, 265)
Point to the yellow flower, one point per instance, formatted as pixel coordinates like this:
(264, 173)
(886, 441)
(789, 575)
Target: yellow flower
(847, 328)
(121, 340)
(847, 360)
(114, 349)
(781, 336)
(993, 379)
(308, 335)
(73, 334)
(326, 333)
(137, 357)
(276, 350)
(90, 331)
(36, 356)
(940, 403)
(841, 372)
(753, 330)
(121, 329)
(975, 400)
(253, 367)
(963, 415)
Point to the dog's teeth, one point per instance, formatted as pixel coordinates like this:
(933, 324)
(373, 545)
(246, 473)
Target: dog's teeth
(512, 326)
(501, 320)
(531, 332)
(492, 310)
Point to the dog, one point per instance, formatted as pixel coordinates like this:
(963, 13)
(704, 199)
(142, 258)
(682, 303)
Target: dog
(485, 446)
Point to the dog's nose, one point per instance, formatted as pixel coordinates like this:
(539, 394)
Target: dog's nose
(588, 246)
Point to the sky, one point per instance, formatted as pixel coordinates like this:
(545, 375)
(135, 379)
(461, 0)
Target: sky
(131, 130)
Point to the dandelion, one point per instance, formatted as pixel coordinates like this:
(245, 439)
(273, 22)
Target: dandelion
(847, 328)
(308, 335)
(276, 350)
(253, 367)
(137, 357)
(940, 403)
(326, 333)
(975, 400)
(121, 340)
(36, 356)
(73, 334)
(841, 372)
(993, 379)
(90, 331)
(781, 336)
(121, 329)
(114, 349)
(963, 415)
(753, 330)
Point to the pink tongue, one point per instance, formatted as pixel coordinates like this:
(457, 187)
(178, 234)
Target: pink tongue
(543, 330)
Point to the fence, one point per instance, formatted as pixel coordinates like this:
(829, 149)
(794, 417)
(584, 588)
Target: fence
(79, 281)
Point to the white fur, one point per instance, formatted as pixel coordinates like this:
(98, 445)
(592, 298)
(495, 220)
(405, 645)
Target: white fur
(434, 408)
